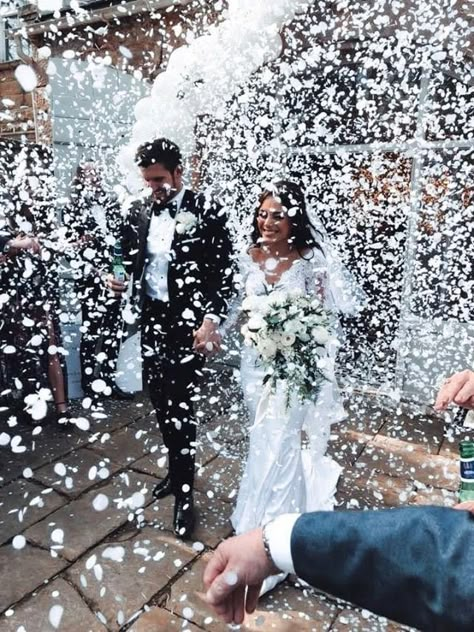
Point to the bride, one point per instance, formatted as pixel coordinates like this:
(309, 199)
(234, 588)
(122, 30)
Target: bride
(287, 254)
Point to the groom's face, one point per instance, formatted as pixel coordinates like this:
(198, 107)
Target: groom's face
(164, 184)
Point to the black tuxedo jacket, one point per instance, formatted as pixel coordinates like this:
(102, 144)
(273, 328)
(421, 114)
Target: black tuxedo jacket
(414, 565)
(200, 272)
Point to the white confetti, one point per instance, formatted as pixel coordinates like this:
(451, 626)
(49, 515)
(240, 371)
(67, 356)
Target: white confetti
(57, 536)
(26, 77)
(100, 502)
(19, 542)
(60, 469)
(55, 615)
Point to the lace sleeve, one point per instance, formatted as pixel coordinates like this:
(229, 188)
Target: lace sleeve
(334, 283)
(316, 276)
(233, 313)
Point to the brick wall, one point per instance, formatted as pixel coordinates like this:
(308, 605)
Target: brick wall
(16, 106)
(149, 37)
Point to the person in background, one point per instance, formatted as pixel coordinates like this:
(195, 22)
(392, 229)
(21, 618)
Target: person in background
(31, 338)
(93, 219)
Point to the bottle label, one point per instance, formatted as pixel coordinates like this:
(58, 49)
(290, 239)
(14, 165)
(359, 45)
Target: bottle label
(467, 470)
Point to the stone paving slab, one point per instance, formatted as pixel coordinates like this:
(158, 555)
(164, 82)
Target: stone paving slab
(432, 496)
(387, 462)
(345, 446)
(78, 471)
(228, 427)
(212, 518)
(82, 524)
(285, 609)
(121, 576)
(148, 424)
(109, 414)
(158, 619)
(363, 621)
(43, 448)
(57, 599)
(22, 503)
(124, 446)
(207, 448)
(425, 432)
(363, 490)
(221, 477)
(365, 414)
(156, 462)
(399, 458)
(23, 571)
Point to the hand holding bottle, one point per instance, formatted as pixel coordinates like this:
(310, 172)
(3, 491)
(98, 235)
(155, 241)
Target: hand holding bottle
(117, 280)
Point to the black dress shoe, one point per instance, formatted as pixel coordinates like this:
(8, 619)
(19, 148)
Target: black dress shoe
(163, 489)
(183, 522)
(119, 394)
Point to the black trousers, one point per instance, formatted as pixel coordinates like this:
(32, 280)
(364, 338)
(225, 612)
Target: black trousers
(171, 370)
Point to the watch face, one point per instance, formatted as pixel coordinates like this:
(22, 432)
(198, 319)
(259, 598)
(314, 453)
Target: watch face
(6, 248)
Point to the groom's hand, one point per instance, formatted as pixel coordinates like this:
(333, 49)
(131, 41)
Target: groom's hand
(207, 339)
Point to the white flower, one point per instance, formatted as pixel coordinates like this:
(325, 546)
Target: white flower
(287, 339)
(252, 303)
(255, 323)
(186, 222)
(320, 335)
(267, 348)
(277, 298)
(292, 327)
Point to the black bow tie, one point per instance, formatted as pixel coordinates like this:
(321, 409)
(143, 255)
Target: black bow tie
(171, 207)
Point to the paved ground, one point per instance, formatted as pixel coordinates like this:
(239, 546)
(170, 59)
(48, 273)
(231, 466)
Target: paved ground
(98, 554)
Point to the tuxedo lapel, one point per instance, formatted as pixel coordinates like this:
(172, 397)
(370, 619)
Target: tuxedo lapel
(188, 205)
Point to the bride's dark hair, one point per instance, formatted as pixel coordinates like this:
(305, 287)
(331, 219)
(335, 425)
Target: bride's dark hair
(303, 235)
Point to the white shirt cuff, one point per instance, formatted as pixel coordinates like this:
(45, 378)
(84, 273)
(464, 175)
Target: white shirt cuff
(214, 318)
(278, 534)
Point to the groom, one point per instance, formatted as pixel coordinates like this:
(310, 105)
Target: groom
(177, 248)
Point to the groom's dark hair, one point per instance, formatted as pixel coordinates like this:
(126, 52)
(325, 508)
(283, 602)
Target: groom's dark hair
(159, 151)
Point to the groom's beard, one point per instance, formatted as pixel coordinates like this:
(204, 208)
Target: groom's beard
(165, 193)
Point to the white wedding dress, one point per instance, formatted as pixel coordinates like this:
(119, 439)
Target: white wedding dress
(280, 476)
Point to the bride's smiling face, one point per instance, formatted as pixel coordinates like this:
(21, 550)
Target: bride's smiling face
(272, 221)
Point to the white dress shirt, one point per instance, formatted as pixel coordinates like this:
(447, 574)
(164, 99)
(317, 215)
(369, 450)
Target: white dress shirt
(278, 534)
(158, 251)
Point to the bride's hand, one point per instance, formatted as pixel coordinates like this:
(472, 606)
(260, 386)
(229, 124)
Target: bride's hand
(207, 339)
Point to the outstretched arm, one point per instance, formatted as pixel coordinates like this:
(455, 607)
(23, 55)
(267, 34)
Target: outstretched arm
(413, 565)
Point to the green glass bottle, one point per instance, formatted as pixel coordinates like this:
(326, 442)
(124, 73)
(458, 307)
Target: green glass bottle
(466, 488)
(118, 269)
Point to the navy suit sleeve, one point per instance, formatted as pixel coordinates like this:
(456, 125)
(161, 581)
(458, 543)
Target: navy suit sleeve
(414, 565)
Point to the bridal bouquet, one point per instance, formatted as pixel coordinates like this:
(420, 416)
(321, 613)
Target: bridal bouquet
(290, 332)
